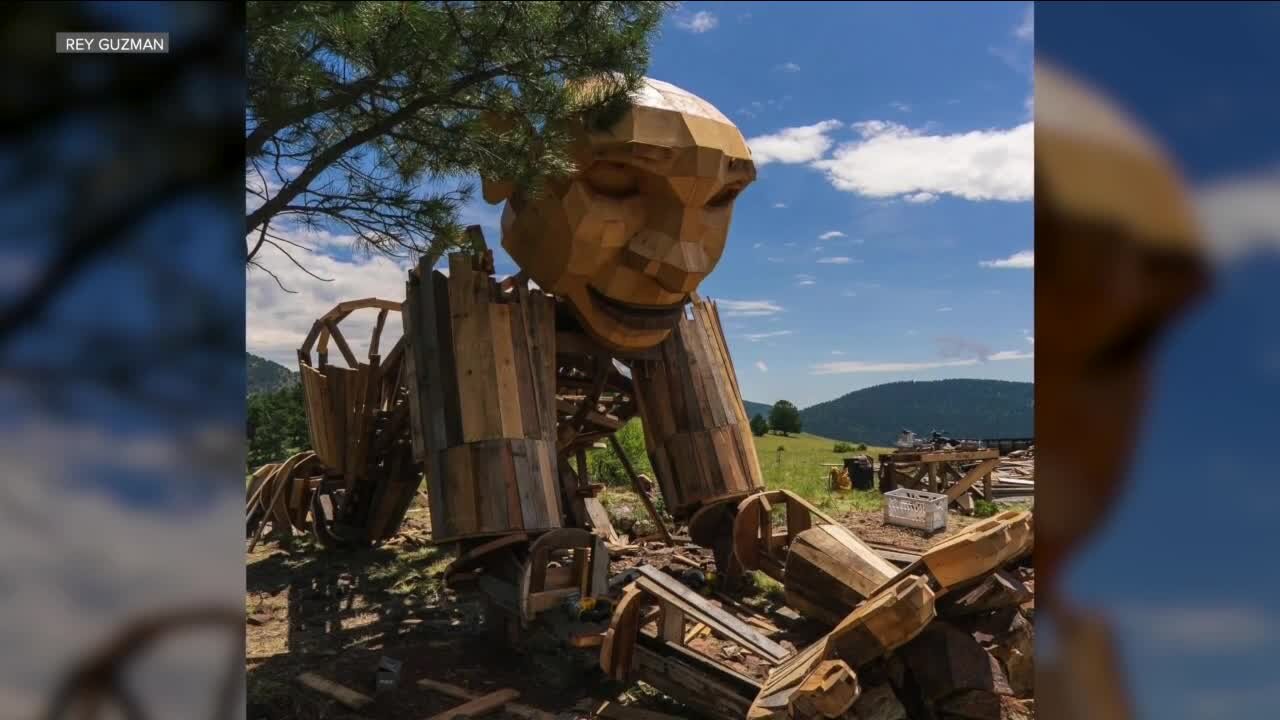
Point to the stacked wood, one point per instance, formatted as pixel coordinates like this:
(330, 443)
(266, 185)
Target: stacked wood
(696, 428)
(483, 400)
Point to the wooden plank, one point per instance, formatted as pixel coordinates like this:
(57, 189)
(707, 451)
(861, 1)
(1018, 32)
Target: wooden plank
(521, 711)
(672, 624)
(341, 342)
(492, 491)
(526, 480)
(639, 491)
(450, 407)
(480, 706)
(377, 331)
(526, 379)
(668, 588)
(978, 472)
(508, 384)
(504, 459)
(345, 696)
(599, 567)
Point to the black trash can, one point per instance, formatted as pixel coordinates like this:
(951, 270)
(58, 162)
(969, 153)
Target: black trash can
(861, 472)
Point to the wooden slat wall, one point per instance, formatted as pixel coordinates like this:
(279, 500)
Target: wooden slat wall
(484, 401)
(696, 428)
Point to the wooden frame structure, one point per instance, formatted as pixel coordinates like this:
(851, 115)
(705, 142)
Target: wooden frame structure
(951, 472)
(360, 477)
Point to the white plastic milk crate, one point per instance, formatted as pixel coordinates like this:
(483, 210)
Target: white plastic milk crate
(916, 508)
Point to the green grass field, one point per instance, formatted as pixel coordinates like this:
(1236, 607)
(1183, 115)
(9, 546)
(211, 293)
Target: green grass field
(800, 466)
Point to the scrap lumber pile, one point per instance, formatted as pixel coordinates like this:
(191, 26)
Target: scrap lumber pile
(1015, 475)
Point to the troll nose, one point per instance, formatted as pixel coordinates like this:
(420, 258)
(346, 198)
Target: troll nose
(677, 265)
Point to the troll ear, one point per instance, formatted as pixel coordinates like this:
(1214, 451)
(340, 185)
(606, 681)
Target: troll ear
(495, 190)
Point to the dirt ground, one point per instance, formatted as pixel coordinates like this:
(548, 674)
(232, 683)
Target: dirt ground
(337, 614)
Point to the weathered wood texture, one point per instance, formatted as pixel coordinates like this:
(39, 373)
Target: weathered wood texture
(980, 549)
(484, 401)
(893, 617)
(358, 422)
(829, 571)
(696, 428)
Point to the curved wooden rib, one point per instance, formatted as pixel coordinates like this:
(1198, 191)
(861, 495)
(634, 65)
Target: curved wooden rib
(620, 639)
(755, 544)
(477, 555)
(327, 325)
(533, 588)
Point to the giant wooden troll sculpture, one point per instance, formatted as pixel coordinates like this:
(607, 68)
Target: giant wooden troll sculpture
(508, 383)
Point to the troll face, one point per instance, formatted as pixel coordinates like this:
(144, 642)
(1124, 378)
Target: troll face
(630, 235)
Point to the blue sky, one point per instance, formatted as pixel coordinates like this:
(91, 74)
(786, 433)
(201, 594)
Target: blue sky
(1186, 562)
(899, 132)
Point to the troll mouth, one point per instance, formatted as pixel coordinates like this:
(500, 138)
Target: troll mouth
(641, 317)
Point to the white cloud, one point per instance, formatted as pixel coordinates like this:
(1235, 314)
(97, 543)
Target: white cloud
(276, 322)
(844, 367)
(757, 337)
(837, 352)
(793, 145)
(1026, 30)
(1021, 260)
(835, 260)
(804, 280)
(831, 235)
(775, 259)
(761, 366)
(1241, 214)
(789, 67)
(780, 205)
(900, 106)
(699, 22)
(789, 244)
(757, 246)
(892, 160)
(1011, 355)
(920, 198)
(748, 308)
(944, 309)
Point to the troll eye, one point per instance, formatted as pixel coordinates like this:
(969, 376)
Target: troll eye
(612, 179)
(725, 197)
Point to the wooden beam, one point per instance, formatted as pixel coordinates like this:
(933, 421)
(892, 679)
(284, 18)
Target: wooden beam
(479, 706)
(453, 691)
(345, 696)
(667, 588)
(977, 472)
(377, 332)
(343, 347)
(635, 485)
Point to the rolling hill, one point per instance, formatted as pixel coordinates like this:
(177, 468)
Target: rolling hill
(264, 375)
(961, 408)
(755, 408)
